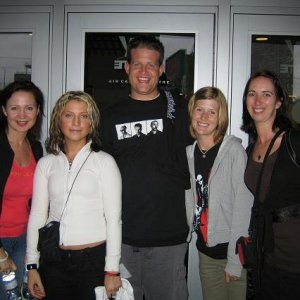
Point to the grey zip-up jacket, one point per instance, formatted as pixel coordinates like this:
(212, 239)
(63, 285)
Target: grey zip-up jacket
(229, 200)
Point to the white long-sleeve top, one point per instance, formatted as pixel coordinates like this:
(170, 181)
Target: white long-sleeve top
(93, 211)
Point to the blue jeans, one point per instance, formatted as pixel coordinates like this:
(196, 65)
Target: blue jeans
(2, 291)
(16, 248)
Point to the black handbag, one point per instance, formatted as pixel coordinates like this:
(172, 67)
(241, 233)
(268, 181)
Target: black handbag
(48, 243)
(245, 250)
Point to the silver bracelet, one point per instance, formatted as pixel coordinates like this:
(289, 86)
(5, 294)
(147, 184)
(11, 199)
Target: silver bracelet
(2, 260)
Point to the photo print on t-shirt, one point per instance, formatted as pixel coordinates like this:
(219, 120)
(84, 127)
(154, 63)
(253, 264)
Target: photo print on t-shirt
(154, 127)
(139, 129)
(123, 131)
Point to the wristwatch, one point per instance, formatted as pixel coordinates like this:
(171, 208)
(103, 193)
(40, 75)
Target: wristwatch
(31, 267)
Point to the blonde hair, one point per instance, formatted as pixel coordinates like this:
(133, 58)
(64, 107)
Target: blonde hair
(213, 93)
(55, 142)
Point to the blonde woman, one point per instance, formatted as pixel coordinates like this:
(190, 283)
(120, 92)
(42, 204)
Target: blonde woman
(219, 204)
(80, 186)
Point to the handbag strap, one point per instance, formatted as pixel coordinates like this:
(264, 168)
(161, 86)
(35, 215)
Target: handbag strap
(290, 149)
(65, 205)
(259, 181)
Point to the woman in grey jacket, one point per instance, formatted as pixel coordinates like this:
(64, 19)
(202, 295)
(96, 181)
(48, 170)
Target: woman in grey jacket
(218, 204)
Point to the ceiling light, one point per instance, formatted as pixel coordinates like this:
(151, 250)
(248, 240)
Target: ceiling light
(261, 39)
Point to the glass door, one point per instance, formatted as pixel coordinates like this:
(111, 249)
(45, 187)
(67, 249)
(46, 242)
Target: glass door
(107, 52)
(24, 50)
(95, 50)
(264, 42)
(192, 33)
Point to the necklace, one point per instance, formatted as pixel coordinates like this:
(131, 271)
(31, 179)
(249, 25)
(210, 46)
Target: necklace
(203, 152)
(70, 163)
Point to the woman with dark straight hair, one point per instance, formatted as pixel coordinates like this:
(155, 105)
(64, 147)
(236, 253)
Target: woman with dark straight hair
(21, 115)
(276, 211)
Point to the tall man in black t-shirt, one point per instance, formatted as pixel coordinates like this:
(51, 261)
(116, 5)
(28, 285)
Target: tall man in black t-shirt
(154, 174)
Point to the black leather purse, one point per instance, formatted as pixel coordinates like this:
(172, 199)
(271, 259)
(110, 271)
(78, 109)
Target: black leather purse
(48, 244)
(245, 250)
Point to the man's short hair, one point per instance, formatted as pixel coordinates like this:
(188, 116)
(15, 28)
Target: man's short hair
(146, 41)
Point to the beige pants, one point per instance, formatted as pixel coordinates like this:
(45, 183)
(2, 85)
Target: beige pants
(214, 286)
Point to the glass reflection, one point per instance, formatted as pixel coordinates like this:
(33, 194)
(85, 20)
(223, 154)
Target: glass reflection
(15, 57)
(280, 54)
(105, 56)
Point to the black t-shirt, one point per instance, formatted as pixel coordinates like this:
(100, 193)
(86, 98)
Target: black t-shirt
(153, 168)
(203, 167)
